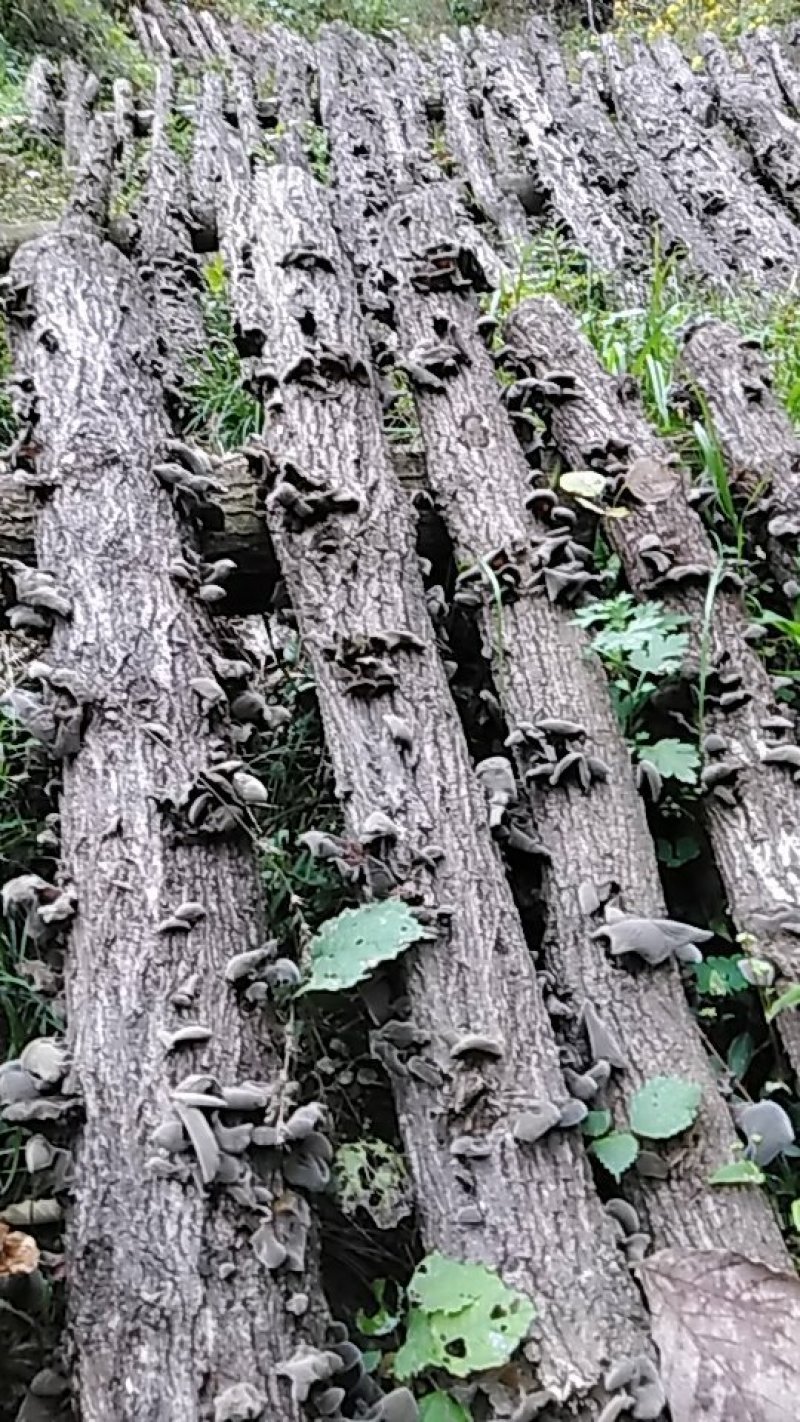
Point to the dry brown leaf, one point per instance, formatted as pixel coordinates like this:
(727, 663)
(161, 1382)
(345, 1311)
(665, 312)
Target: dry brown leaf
(651, 481)
(728, 1331)
(19, 1254)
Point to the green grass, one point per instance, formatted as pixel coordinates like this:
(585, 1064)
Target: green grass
(222, 412)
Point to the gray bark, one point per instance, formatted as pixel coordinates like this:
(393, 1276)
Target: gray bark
(772, 137)
(756, 840)
(80, 92)
(752, 235)
(540, 669)
(159, 1324)
(758, 440)
(354, 577)
(44, 117)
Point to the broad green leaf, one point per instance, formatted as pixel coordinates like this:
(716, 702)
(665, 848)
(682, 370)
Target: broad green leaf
(738, 1172)
(675, 760)
(740, 1054)
(719, 977)
(440, 1407)
(596, 1123)
(663, 652)
(616, 1152)
(787, 999)
(794, 1214)
(463, 1319)
(682, 851)
(584, 483)
(348, 947)
(664, 1106)
(372, 1176)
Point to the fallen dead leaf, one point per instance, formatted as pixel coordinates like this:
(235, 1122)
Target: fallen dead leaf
(728, 1331)
(19, 1253)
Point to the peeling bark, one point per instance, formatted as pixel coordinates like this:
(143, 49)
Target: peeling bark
(758, 440)
(755, 839)
(353, 577)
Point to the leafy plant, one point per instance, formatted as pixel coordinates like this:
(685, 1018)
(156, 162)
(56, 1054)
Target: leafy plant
(719, 977)
(370, 1175)
(738, 1172)
(349, 947)
(789, 998)
(617, 1152)
(664, 1106)
(463, 1318)
(387, 1317)
(441, 1407)
(596, 1123)
(221, 410)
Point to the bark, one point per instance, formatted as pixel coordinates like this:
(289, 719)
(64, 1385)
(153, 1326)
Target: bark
(755, 839)
(160, 1324)
(758, 440)
(540, 668)
(468, 148)
(563, 173)
(204, 167)
(80, 92)
(44, 117)
(294, 71)
(751, 234)
(767, 64)
(352, 577)
(167, 263)
(772, 137)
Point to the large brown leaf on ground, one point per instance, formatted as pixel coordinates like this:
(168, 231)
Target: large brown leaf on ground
(728, 1331)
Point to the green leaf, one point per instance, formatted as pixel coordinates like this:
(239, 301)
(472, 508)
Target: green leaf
(371, 1175)
(441, 1407)
(675, 760)
(616, 1152)
(794, 1215)
(463, 1319)
(662, 653)
(719, 977)
(583, 483)
(348, 947)
(738, 1172)
(683, 851)
(787, 999)
(596, 1123)
(664, 1106)
(385, 1320)
(740, 1054)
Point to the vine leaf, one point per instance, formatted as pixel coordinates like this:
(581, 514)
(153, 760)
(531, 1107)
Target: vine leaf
(719, 977)
(616, 1152)
(726, 1330)
(372, 1176)
(348, 947)
(463, 1319)
(441, 1407)
(674, 759)
(596, 1123)
(738, 1172)
(664, 1106)
(789, 998)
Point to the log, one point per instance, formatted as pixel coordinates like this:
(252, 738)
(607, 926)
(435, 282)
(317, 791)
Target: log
(527, 1211)
(44, 117)
(754, 829)
(168, 1304)
(759, 443)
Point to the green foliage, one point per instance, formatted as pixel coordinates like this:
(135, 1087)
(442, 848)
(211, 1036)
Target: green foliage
(441, 1407)
(415, 17)
(675, 853)
(463, 1318)
(787, 999)
(88, 30)
(349, 947)
(370, 1175)
(222, 412)
(740, 1054)
(664, 1106)
(675, 760)
(387, 1317)
(738, 1172)
(596, 1123)
(617, 1152)
(316, 143)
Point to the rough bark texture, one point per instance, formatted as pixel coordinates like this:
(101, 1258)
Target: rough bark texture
(159, 1324)
(353, 577)
(755, 839)
(539, 661)
(758, 440)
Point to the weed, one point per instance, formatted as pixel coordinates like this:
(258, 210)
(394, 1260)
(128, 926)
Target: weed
(316, 145)
(222, 411)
